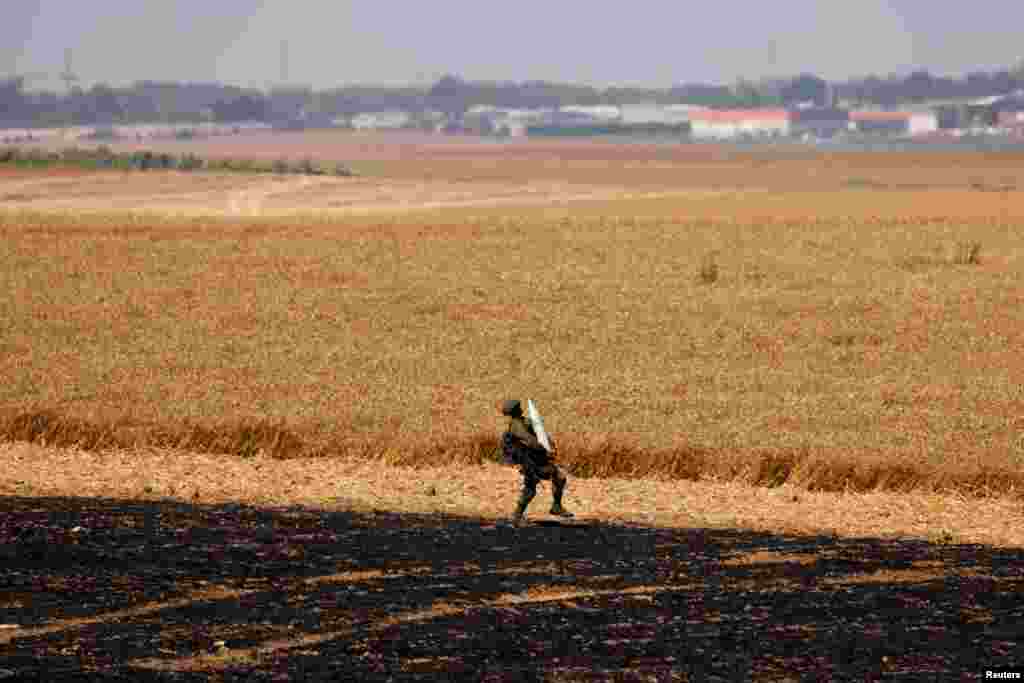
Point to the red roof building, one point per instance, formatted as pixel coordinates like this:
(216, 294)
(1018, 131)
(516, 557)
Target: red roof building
(733, 123)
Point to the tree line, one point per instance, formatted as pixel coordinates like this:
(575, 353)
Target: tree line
(145, 160)
(171, 102)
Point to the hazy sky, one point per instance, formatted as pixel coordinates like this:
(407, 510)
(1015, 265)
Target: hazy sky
(643, 42)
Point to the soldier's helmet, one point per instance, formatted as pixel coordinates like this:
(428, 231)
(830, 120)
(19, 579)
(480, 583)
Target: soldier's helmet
(511, 408)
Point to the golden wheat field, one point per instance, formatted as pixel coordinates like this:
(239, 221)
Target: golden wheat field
(835, 321)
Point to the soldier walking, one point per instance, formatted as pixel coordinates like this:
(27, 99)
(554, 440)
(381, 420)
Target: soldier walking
(521, 447)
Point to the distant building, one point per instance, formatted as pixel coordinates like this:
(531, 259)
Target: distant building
(527, 115)
(984, 112)
(381, 120)
(480, 121)
(576, 121)
(1011, 121)
(604, 113)
(683, 110)
(725, 124)
(652, 114)
(889, 122)
(629, 120)
(894, 122)
(574, 129)
(1008, 112)
(923, 123)
(950, 116)
(429, 120)
(511, 128)
(489, 120)
(819, 122)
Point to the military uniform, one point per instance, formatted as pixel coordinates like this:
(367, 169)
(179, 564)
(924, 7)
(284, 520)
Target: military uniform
(521, 447)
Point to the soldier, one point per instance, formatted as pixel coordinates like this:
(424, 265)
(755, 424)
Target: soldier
(522, 448)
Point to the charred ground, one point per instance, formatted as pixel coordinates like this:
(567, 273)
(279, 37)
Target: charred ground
(104, 589)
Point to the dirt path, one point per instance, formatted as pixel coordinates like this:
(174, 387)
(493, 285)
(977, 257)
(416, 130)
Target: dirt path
(402, 575)
(251, 199)
(265, 195)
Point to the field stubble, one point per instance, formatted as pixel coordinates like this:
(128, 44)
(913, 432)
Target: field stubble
(848, 340)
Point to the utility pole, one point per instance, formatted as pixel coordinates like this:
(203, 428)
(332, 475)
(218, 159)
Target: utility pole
(68, 75)
(70, 78)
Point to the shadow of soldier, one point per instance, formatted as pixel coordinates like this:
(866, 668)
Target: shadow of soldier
(105, 589)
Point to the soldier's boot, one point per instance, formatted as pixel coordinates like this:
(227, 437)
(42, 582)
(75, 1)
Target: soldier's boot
(556, 508)
(517, 516)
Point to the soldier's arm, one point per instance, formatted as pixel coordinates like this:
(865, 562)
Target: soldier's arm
(519, 430)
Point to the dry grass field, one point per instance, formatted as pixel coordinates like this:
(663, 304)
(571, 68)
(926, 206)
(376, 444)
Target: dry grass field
(862, 337)
(823, 345)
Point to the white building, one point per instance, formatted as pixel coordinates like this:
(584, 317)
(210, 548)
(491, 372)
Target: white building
(682, 111)
(724, 124)
(381, 120)
(922, 123)
(646, 114)
(526, 115)
(894, 122)
(511, 128)
(605, 113)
